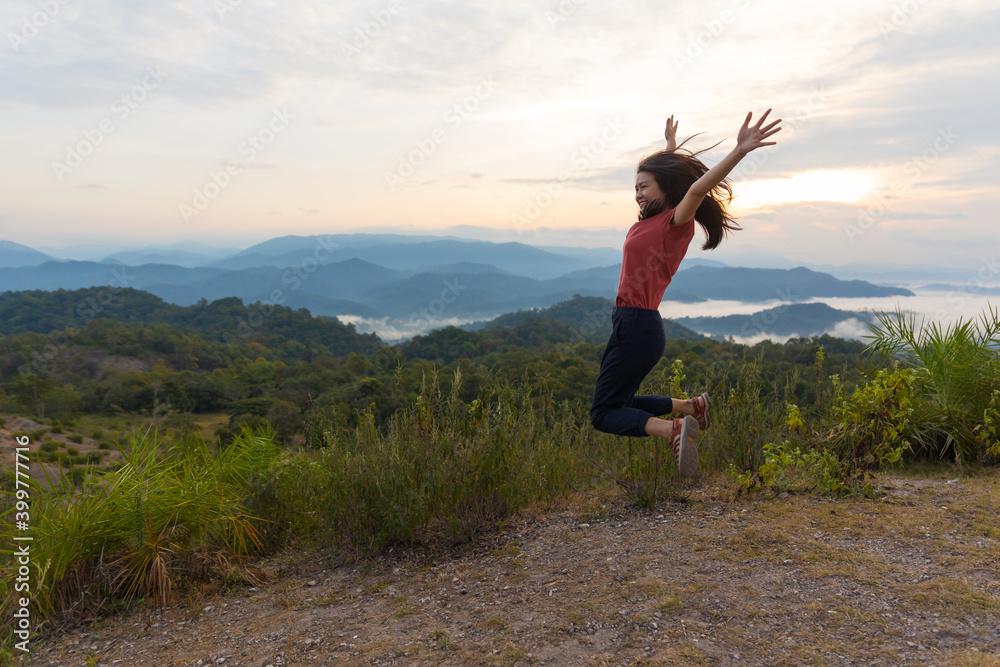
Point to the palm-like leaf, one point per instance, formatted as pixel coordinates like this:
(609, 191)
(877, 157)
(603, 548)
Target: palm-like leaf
(957, 368)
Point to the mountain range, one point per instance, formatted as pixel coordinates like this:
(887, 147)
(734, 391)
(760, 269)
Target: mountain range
(426, 279)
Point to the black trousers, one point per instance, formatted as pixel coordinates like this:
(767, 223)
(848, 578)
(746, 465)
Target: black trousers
(636, 345)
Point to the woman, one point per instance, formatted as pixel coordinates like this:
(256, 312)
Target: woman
(674, 189)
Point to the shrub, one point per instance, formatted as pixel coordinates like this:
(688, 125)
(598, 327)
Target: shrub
(48, 447)
(788, 469)
(73, 451)
(97, 434)
(76, 437)
(874, 426)
(956, 370)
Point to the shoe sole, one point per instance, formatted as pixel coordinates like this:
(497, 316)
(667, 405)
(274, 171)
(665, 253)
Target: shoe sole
(687, 451)
(704, 415)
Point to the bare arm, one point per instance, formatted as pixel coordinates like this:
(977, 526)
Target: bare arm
(748, 139)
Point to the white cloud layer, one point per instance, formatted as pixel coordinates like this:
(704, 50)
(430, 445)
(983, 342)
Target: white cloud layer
(500, 110)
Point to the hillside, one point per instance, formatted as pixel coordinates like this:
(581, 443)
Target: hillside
(701, 580)
(589, 317)
(226, 319)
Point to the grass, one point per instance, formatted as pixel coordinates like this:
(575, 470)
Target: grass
(173, 511)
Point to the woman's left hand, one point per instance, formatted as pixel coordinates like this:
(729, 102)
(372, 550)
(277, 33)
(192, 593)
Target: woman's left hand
(750, 138)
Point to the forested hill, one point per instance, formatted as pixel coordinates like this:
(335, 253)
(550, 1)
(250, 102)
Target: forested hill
(226, 320)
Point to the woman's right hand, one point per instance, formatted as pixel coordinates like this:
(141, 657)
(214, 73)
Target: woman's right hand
(670, 133)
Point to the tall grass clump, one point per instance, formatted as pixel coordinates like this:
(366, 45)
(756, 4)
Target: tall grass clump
(746, 416)
(173, 512)
(956, 374)
(438, 468)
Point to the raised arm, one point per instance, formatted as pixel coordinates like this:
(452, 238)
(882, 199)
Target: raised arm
(670, 133)
(747, 140)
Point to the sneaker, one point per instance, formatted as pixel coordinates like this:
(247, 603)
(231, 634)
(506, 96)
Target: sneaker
(684, 447)
(701, 406)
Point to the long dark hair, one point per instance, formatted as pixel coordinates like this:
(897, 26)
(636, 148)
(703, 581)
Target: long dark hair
(675, 171)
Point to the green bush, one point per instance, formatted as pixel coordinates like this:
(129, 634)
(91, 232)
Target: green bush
(48, 447)
(78, 475)
(956, 370)
(873, 427)
(97, 434)
(37, 434)
(790, 469)
(76, 437)
(73, 451)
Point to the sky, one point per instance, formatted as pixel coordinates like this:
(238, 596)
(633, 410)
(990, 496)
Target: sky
(230, 122)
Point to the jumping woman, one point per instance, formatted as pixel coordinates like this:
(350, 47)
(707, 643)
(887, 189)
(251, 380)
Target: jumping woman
(674, 189)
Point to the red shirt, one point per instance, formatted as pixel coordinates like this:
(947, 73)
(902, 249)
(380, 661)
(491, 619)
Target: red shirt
(653, 251)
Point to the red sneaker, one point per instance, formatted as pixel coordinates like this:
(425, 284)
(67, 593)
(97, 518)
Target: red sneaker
(684, 447)
(701, 406)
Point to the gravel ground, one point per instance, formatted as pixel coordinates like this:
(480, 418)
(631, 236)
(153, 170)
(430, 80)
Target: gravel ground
(908, 579)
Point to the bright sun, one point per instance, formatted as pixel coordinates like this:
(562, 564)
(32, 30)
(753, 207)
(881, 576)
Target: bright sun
(834, 185)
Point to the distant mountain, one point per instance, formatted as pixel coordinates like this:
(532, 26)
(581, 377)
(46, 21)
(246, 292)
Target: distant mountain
(457, 267)
(71, 274)
(594, 256)
(335, 289)
(603, 280)
(589, 318)
(14, 255)
(99, 252)
(760, 285)
(799, 319)
(177, 257)
(379, 276)
(515, 258)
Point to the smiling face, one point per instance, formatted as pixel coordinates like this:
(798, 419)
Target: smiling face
(646, 190)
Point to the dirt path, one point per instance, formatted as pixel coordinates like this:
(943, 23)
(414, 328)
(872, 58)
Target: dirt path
(911, 579)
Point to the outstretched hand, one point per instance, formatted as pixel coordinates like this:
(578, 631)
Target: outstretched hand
(670, 133)
(750, 138)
